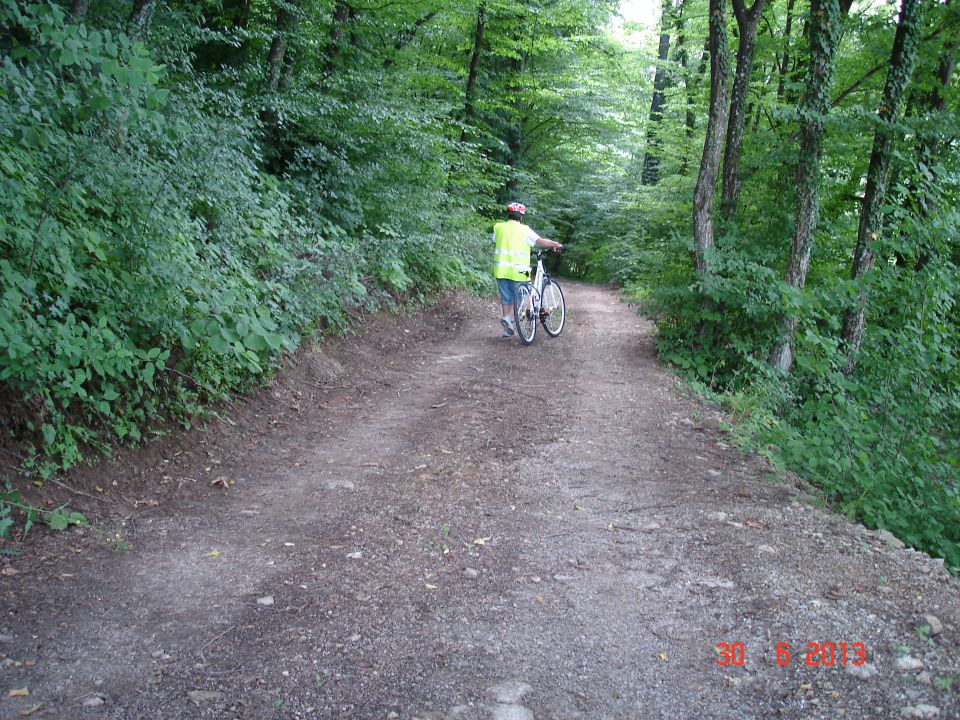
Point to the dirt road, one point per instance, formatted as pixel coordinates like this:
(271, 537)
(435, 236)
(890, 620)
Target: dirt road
(429, 521)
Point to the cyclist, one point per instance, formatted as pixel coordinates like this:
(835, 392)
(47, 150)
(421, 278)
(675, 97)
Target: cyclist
(511, 259)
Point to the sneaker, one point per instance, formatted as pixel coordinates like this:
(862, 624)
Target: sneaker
(507, 327)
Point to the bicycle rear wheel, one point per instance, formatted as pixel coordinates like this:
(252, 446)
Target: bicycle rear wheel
(553, 310)
(523, 313)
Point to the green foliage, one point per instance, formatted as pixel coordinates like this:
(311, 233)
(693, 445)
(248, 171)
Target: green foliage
(174, 219)
(177, 212)
(11, 506)
(881, 441)
(711, 327)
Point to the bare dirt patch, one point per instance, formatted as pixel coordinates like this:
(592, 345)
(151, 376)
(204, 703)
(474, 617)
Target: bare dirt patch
(429, 521)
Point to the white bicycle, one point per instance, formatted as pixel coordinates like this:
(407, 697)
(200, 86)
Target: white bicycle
(540, 300)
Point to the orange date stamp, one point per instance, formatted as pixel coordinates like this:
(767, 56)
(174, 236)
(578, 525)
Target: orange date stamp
(813, 654)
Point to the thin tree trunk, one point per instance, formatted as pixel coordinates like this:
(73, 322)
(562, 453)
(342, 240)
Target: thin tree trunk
(651, 158)
(474, 68)
(139, 17)
(713, 144)
(78, 10)
(799, 66)
(682, 58)
(690, 118)
(341, 17)
(408, 36)
(285, 22)
(785, 58)
(930, 145)
(944, 73)
(826, 17)
(902, 57)
(515, 133)
(276, 155)
(747, 19)
(921, 195)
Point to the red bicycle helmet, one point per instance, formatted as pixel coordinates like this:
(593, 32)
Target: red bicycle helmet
(516, 207)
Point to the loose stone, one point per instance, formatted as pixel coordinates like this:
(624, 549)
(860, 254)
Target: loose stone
(511, 712)
(891, 539)
(909, 663)
(920, 711)
(863, 672)
(509, 691)
(936, 627)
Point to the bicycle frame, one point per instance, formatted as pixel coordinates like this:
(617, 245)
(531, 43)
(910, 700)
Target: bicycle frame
(528, 307)
(540, 276)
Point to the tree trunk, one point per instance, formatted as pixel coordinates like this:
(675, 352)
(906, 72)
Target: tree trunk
(651, 158)
(515, 136)
(341, 17)
(139, 17)
(286, 21)
(826, 17)
(474, 67)
(78, 10)
(408, 36)
(690, 119)
(922, 195)
(713, 144)
(747, 19)
(785, 58)
(277, 155)
(905, 44)
(948, 62)
(930, 145)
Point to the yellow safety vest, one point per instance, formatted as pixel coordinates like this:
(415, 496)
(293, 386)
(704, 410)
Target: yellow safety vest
(511, 260)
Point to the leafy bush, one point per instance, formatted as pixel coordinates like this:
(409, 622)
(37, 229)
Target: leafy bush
(152, 262)
(714, 327)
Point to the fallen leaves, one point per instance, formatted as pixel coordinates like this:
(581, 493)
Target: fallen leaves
(19, 692)
(26, 712)
(213, 554)
(221, 481)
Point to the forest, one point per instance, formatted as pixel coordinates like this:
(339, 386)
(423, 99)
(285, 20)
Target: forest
(191, 190)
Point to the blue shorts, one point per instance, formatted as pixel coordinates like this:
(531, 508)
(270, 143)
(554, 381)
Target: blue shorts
(507, 288)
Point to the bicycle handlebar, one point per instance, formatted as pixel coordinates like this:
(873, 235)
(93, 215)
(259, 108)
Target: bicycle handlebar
(541, 250)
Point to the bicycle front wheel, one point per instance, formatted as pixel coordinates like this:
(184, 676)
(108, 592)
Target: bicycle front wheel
(553, 310)
(523, 313)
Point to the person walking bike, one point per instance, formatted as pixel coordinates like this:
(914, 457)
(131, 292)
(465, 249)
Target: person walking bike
(511, 258)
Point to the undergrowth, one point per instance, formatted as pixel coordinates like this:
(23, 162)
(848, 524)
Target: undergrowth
(880, 443)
